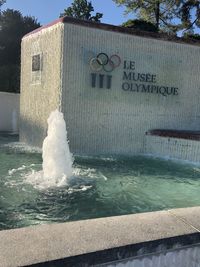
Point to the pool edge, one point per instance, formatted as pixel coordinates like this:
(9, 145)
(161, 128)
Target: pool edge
(99, 241)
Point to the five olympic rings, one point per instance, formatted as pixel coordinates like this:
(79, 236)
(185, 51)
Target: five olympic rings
(102, 61)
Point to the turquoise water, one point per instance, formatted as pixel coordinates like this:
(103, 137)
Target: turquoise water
(100, 187)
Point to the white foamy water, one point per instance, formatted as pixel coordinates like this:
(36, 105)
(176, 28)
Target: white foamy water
(37, 180)
(57, 159)
(89, 173)
(22, 147)
(23, 167)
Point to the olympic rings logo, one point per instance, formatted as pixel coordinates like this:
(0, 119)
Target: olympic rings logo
(103, 62)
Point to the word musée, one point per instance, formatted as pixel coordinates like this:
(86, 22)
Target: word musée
(139, 77)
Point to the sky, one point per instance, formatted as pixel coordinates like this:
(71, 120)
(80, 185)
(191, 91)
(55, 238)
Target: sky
(48, 10)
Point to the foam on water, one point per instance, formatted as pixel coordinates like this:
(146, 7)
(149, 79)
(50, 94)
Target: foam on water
(89, 173)
(22, 147)
(23, 167)
(80, 177)
(38, 180)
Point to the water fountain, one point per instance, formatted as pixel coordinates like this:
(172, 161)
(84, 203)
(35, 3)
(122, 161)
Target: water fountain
(57, 159)
(36, 188)
(129, 185)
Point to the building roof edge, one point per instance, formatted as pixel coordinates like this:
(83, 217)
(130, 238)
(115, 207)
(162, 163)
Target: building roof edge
(119, 29)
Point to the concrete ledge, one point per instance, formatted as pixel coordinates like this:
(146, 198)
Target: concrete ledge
(97, 241)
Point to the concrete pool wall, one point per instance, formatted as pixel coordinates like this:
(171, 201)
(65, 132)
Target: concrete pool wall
(174, 148)
(106, 112)
(167, 238)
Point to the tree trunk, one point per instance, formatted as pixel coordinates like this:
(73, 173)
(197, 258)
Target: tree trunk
(157, 14)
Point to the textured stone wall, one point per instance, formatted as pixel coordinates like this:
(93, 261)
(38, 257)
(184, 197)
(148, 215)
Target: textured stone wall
(173, 148)
(9, 112)
(40, 90)
(114, 121)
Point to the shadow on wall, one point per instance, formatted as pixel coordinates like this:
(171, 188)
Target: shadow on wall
(31, 132)
(9, 112)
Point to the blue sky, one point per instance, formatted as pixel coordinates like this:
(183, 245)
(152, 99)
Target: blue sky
(48, 10)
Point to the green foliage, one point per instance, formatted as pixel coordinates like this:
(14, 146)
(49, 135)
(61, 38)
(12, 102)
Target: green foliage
(159, 12)
(10, 78)
(82, 9)
(13, 26)
(191, 36)
(167, 15)
(140, 25)
(190, 14)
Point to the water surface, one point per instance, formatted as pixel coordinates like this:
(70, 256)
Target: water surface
(100, 187)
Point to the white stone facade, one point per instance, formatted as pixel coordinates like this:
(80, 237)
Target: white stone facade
(40, 90)
(115, 120)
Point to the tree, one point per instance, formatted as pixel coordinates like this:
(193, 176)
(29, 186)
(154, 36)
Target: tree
(140, 25)
(170, 15)
(1, 3)
(81, 9)
(191, 36)
(13, 26)
(190, 14)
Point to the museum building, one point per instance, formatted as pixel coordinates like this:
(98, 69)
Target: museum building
(121, 92)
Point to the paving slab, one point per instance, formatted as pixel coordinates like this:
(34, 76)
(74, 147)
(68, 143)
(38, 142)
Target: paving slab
(191, 216)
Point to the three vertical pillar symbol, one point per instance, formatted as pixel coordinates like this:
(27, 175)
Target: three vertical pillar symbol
(101, 80)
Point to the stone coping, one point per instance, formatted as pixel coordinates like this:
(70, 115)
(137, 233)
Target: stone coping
(180, 134)
(97, 241)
